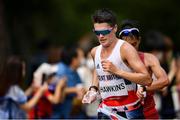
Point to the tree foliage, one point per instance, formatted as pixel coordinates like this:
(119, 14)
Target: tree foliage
(65, 21)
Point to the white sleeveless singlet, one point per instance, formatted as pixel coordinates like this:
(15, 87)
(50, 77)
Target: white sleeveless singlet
(111, 85)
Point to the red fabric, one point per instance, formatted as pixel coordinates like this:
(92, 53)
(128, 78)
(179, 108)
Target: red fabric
(141, 55)
(43, 109)
(47, 93)
(149, 100)
(114, 117)
(149, 103)
(151, 113)
(122, 100)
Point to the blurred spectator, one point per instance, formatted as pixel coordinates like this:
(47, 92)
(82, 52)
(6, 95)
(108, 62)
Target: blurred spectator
(85, 72)
(174, 75)
(178, 68)
(47, 73)
(87, 41)
(13, 99)
(38, 58)
(70, 61)
(48, 67)
(43, 109)
(157, 44)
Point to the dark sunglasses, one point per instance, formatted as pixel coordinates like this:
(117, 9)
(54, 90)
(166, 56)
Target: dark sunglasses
(126, 32)
(102, 32)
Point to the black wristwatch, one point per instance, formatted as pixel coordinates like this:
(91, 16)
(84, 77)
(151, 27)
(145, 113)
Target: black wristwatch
(95, 87)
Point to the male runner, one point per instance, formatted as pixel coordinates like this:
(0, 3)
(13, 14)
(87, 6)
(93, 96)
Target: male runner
(130, 33)
(118, 69)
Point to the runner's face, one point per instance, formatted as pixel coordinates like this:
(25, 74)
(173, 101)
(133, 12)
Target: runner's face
(132, 40)
(108, 31)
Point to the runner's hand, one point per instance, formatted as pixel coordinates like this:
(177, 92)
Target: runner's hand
(139, 93)
(90, 97)
(109, 66)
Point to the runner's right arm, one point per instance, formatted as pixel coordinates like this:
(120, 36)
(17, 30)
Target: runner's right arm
(95, 81)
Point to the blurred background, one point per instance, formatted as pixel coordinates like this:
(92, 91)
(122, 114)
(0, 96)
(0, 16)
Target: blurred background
(30, 27)
(25, 23)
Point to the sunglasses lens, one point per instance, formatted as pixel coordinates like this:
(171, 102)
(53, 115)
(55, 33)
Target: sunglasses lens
(96, 32)
(102, 32)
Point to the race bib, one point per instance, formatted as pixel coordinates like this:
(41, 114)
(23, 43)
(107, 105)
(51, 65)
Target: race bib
(115, 87)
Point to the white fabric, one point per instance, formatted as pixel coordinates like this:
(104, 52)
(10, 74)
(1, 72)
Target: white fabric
(109, 112)
(110, 84)
(16, 94)
(9, 106)
(86, 77)
(44, 68)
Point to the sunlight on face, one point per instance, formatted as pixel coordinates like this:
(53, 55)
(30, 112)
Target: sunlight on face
(104, 40)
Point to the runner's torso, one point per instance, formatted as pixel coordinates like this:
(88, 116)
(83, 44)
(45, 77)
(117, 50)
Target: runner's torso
(114, 90)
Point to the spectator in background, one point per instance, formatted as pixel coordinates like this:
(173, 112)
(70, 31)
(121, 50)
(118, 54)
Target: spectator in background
(156, 44)
(41, 56)
(13, 98)
(174, 76)
(85, 72)
(54, 94)
(177, 75)
(70, 61)
(48, 67)
(178, 68)
(43, 109)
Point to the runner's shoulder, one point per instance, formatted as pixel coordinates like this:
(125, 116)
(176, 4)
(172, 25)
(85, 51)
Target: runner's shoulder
(150, 58)
(93, 51)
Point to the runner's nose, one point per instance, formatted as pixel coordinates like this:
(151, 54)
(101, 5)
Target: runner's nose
(101, 36)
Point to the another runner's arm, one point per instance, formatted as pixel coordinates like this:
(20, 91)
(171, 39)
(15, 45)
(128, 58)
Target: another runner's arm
(95, 81)
(161, 76)
(140, 74)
